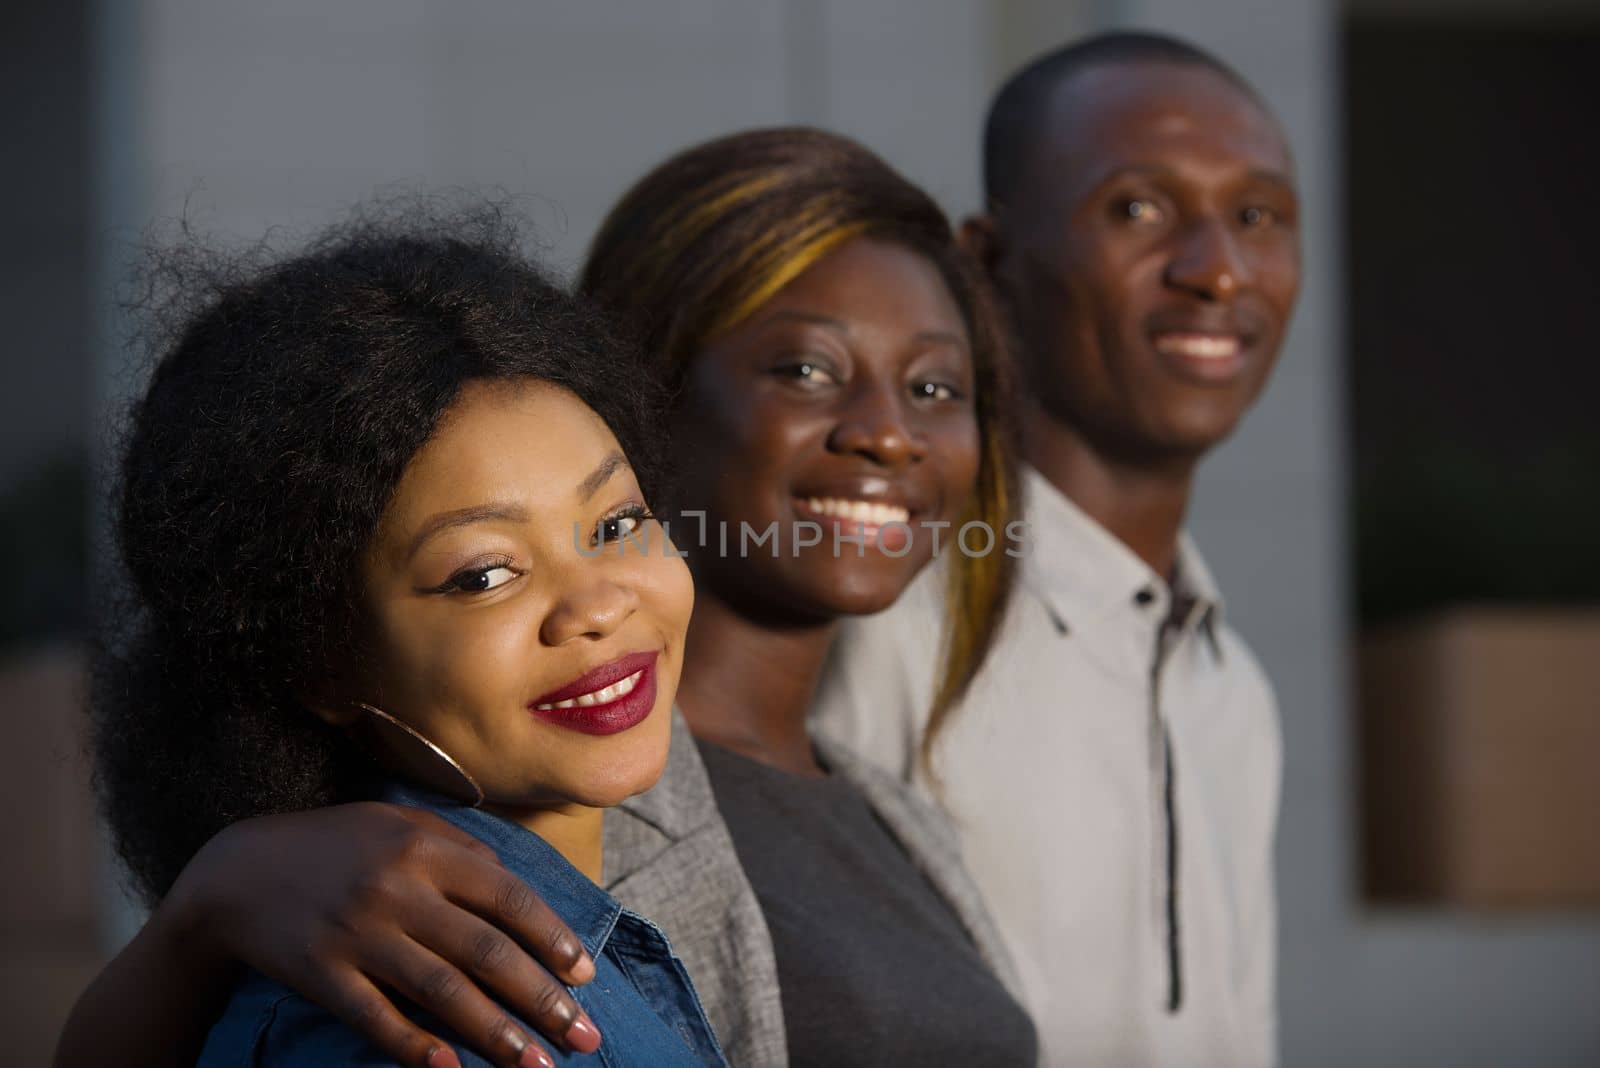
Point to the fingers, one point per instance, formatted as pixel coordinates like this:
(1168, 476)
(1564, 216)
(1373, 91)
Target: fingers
(509, 904)
(438, 987)
(460, 916)
(438, 825)
(477, 949)
(364, 1008)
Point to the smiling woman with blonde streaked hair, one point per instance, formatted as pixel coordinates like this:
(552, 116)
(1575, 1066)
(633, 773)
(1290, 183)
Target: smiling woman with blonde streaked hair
(834, 361)
(709, 236)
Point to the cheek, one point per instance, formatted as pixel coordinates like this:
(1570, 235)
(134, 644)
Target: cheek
(1100, 283)
(725, 418)
(742, 456)
(437, 668)
(667, 591)
(1133, 287)
(718, 429)
(1281, 279)
(957, 449)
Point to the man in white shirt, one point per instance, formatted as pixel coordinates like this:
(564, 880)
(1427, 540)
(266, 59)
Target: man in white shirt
(1113, 772)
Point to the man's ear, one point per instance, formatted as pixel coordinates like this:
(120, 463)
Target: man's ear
(979, 237)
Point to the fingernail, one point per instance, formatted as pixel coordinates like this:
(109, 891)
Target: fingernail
(583, 1036)
(583, 970)
(442, 1057)
(534, 1057)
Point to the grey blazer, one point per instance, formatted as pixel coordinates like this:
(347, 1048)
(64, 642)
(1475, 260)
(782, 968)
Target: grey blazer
(669, 857)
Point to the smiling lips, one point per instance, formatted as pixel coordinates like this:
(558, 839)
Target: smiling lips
(854, 517)
(871, 513)
(1208, 356)
(607, 700)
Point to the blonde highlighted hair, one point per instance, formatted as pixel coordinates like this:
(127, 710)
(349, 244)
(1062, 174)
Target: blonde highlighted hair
(708, 237)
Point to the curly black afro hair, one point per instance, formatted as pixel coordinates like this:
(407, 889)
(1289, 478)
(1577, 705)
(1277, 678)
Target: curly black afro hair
(288, 395)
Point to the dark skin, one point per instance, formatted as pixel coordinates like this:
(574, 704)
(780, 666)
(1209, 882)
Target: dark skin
(854, 382)
(1149, 261)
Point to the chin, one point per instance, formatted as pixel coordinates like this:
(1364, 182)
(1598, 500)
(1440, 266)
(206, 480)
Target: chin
(611, 793)
(856, 594)
(1199, 440)
(1193, 429)
(604, 772)
(608, 784)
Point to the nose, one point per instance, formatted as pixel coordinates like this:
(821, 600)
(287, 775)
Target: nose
(1208, 262)
(874, 427)
(592, 610)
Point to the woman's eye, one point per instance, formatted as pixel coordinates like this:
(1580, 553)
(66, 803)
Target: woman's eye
(806, 373)
(481, 579)
(618, 527)
(935, 391)
(1139, 209)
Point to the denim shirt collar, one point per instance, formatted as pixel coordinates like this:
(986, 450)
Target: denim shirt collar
(589, 911)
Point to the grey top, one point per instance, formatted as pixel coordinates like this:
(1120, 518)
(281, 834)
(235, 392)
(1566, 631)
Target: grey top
(859, 933)
(669, 856)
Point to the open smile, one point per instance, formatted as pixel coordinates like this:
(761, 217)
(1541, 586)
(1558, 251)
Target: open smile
(871, 513)
(607, 700)
(1208, 357)
(876, 522)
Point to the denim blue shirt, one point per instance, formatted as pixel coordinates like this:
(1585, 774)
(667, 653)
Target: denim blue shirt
(640, 998)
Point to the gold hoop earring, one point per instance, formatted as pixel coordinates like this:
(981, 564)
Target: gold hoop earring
(404, 750)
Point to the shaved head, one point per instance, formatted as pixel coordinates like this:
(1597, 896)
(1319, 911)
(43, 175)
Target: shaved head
(1020, 114)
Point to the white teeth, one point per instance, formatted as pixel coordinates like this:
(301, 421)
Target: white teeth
(869, 513)
(601, 696)
(1200, 346)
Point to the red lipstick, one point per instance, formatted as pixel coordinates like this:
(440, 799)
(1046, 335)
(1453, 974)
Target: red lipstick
(607, 700)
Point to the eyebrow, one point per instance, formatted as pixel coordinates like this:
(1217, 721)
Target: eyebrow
(815, 318)
(461, 517)
(935, 337)
(1155, 170)
(601, 474)
(510, 513)
(1161, 170)
(1274, 177)
(942, 337)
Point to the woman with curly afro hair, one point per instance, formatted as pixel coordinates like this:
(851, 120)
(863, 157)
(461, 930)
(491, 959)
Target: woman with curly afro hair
(837, 381)
(382, 510)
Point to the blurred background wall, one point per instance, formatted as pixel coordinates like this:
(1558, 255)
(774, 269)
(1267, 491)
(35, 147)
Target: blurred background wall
(249, 116)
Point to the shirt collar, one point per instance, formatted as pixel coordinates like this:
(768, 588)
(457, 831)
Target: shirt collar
(589, 911)
(1082, 572)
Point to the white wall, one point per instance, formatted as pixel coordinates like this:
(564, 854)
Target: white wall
(261, 115)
